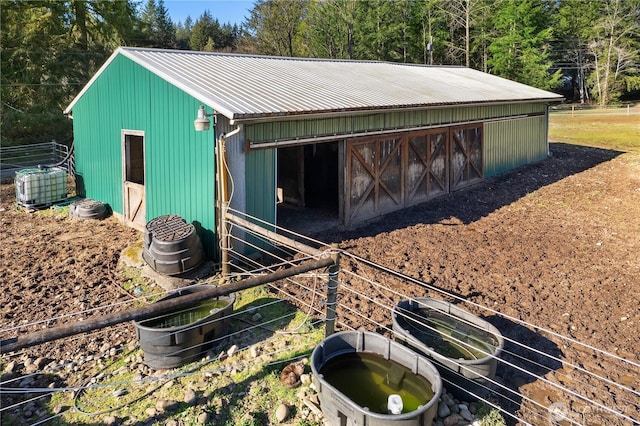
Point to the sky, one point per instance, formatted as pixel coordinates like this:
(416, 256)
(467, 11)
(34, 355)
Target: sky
(226, 11)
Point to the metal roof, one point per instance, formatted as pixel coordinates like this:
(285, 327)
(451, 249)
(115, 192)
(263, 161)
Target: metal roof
(246, 87)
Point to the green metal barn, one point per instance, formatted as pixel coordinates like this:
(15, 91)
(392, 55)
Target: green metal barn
(350, 139)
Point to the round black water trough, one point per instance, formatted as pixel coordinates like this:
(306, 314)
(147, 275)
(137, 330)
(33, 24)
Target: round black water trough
(393, 385)
(171, 245)
(88, 208)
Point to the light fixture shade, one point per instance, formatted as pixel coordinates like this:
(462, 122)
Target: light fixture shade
(202, 122)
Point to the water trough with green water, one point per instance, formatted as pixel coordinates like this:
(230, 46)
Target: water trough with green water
(455, 339)
(364, 378)
(177, 338)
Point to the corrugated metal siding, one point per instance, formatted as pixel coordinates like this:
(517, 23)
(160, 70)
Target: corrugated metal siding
(261, 191)
(179, 162)
(261, 184)
(99, 118)
(513, 143)
(282, 130)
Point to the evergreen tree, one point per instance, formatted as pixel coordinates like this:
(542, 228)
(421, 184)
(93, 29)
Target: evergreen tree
(331, 28)
(275, 27)
(519, 50)
(50, 49)
(183, 34)
(381, 30)
(204, 31)
(158, 28)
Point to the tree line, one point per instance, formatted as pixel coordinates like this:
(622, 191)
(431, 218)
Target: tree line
(585, 49)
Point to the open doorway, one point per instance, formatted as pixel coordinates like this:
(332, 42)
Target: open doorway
(133, 178)
(308, 187)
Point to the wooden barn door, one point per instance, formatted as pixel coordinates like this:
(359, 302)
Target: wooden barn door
(427, 165)
(466, 156)
(387, 173)
(133, 179)
(376, 184)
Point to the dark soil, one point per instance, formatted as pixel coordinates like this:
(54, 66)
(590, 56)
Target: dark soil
(555, 244)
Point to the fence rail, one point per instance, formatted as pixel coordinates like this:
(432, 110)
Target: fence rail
(15, 158)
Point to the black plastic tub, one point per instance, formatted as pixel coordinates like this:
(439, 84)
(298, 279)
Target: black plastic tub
(180, 337)
(88, 208)
(464, 345)
(171, 245)
(340, 362)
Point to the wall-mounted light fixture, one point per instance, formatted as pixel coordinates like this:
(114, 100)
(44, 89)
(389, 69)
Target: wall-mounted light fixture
(202, 122)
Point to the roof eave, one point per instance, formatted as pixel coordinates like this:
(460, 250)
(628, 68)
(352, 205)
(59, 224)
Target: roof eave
(298, 115)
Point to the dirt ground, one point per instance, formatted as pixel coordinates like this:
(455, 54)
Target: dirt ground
(555, 244)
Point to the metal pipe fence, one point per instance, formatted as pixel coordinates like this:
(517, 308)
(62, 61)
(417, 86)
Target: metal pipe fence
(15, 158)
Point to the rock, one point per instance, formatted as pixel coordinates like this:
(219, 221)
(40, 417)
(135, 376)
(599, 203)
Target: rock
(305, 379)
(253, 351)
(151, 412)
(443, 410)
(232, 350)
(166, 405)
(59, 408)
(111, 420)
(282, 412)
(204, 418)
(302, 393)
(452, 420)
(190, 397)
(466, 414)
(40, 362)
(447, 399)
(119, 392)
(10, 367)
(171, 422)
(256, 317)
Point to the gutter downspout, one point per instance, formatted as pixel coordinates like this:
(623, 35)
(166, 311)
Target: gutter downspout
(224, 200)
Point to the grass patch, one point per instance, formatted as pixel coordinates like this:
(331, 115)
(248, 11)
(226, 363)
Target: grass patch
(238, 382)
(598, 128)
(490, 416)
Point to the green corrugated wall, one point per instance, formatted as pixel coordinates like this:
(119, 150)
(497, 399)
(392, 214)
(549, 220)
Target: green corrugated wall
(179, 162)
(278, 130)
(510, 144)
(261, 184)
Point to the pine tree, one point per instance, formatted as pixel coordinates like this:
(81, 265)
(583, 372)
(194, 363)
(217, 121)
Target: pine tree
(519, 51)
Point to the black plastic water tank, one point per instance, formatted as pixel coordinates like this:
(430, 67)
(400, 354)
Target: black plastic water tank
(88, 208)
(171, 245)
(180, 337)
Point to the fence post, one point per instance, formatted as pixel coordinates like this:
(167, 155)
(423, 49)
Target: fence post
(332, 294)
